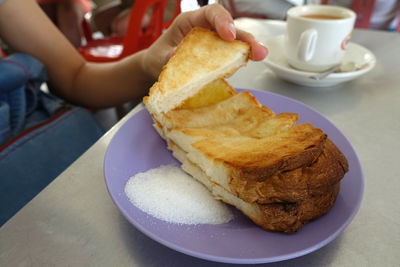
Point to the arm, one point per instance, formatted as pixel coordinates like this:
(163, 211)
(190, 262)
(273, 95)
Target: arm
(25, 28)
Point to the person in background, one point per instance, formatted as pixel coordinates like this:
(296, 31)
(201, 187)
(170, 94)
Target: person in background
(113, 17)
(202, 2)
(67, 15)
(374, 14)
(270, 9)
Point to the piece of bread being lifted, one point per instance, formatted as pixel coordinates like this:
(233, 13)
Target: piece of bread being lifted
(188, 71)
(279, 173)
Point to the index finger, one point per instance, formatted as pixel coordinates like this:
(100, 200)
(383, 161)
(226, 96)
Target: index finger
(213, 17)
(218, 18)
(258, 50)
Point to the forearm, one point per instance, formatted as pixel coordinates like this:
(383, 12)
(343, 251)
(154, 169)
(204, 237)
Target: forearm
(87, 84)
(109, 84)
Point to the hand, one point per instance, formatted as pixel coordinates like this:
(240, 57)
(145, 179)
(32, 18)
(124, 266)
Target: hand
(213, 17)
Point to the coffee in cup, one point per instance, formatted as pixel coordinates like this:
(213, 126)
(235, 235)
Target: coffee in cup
(316, 36)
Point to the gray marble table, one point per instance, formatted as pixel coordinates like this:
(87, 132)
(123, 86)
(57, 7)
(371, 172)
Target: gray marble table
(74, 222)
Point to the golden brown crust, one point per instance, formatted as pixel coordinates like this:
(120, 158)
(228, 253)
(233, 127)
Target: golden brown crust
(259, 158)
(295, 185)
(290, 217)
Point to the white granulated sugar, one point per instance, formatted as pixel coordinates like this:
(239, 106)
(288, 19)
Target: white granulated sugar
(169, 194)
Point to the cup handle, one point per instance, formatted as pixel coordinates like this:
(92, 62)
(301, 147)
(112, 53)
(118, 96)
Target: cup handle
(307, 43)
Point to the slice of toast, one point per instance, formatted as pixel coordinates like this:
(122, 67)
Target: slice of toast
(281, 216)
(279, 173)
(187, 71)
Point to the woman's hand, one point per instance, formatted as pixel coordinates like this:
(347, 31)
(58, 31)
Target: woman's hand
(213, 17)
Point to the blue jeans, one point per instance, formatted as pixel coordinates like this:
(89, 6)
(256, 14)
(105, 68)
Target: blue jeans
(40, 135)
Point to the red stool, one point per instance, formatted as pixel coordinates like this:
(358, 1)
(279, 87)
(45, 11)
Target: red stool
(137, 36)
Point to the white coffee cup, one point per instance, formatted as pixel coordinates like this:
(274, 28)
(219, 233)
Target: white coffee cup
(316, 36)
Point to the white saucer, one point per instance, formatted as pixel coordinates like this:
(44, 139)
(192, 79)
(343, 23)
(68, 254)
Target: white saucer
(277, 62)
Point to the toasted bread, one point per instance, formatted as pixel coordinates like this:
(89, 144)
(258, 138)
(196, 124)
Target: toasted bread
(279, 173)
(187, 71)
(280, 216)
(287, 208)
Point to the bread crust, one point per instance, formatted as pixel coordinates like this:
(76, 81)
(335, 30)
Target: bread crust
(280, 216)
(290, 217)
(297, 184)
(258, 159)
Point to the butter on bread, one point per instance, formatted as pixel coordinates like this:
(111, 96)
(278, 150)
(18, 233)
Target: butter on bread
(187, 70)
(279, 173)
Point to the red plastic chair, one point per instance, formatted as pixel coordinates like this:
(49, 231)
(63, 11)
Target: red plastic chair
(2, 53)
(137, 36)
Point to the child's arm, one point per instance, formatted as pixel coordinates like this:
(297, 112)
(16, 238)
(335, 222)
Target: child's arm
(25, 28)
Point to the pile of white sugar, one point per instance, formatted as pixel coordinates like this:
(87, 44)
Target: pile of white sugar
(169, 194)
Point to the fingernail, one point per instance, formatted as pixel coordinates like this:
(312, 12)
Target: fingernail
(232, 29)
(264, 47)
(260, 51)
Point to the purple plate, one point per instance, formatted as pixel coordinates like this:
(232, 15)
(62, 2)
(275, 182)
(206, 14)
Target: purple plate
(137, 147)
